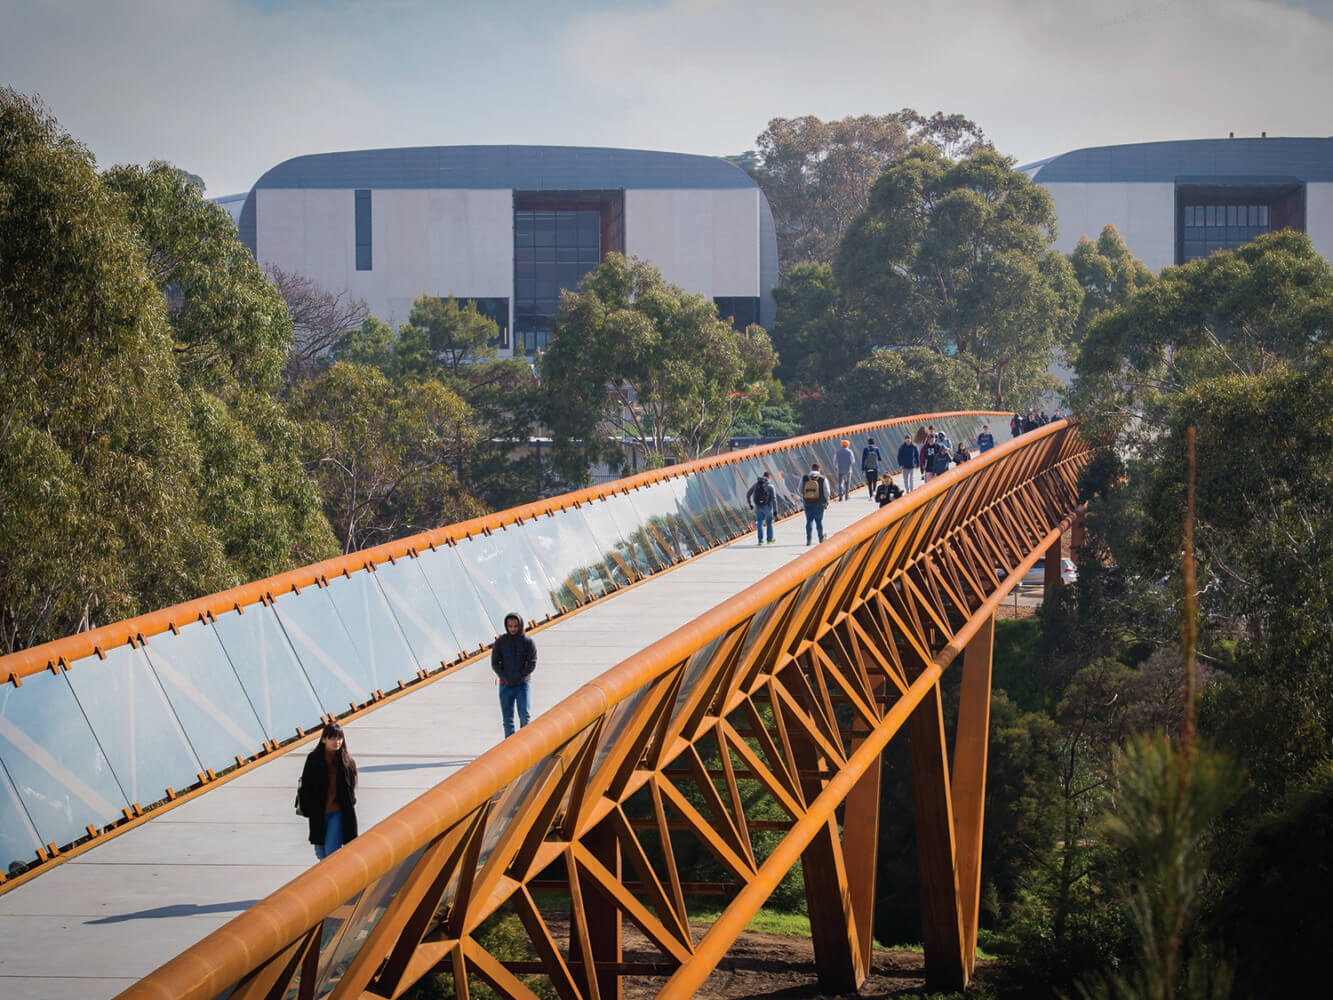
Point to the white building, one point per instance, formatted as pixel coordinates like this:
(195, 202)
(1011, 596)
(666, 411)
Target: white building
(510, 226)
(1176, 201)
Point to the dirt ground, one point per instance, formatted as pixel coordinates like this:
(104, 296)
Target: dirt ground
(780, 967)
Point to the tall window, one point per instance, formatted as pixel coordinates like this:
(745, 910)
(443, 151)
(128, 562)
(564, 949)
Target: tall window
(362, 230)
(553, 250)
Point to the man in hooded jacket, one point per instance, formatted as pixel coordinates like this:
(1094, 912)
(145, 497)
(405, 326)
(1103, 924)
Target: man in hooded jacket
(513, 658)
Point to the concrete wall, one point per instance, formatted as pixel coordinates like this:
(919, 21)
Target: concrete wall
(704, 241)
(1145, 215)
(423, 242)
(1319, 217)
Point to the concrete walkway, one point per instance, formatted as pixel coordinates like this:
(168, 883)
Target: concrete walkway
(92, 926)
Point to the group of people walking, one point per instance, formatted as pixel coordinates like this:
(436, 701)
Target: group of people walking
(1020, 424)
(326, 794)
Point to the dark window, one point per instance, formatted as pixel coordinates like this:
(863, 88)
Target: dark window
(362, 230)
(566, 243)
(1216, 217)
(739, 310)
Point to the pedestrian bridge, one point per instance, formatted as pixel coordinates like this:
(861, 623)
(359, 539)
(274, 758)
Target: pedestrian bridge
(684, 677)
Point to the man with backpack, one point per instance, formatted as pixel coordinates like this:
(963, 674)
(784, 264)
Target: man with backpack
(815, 496)
(870, 459)
(761, 499)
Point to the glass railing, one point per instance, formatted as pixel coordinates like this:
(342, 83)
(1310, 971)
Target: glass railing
(97, 728)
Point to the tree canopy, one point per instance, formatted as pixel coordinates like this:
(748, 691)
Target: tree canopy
(127, 340)
(1240, 312)
(817, 175)
(637, 357)
(956, 256)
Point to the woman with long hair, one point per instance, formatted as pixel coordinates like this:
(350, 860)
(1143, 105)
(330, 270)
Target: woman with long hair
(328, 792)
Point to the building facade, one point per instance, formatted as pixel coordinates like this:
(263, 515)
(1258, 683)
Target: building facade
(509, 227)
(1177, 201)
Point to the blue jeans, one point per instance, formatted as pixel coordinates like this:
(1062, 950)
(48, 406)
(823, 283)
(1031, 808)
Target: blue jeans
(814, 514)
(333, 835)
(763, 515)
(510, 697)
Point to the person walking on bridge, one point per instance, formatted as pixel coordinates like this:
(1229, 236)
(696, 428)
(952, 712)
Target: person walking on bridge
(842, 464)
(513, 658)
(761, 499)
(908, 457)
(815, 496)
(326, 796)
(870, 459)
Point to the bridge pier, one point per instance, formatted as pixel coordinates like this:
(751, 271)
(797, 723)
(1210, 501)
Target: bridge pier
(1052, 578)
(840, 881)
(950, 813)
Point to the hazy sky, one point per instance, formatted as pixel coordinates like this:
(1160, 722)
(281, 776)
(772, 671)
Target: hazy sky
(228, 88)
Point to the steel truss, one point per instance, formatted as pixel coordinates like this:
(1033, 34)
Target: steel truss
(788, 692)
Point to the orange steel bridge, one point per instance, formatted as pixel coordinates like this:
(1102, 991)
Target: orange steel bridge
(779, 701)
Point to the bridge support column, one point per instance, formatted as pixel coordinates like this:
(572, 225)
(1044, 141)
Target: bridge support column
(1052, 578)
(604, 920)
(1076, 539)
(840, 882)
(941, 916)
(971, 742)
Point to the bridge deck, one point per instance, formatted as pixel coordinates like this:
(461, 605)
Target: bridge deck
(92, 926)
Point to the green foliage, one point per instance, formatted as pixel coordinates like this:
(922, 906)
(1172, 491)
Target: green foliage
(128, 341)
(228, 320)
(1109, 274)
(456, 335)
(386, 457)
(957, 253)
(373, 343)
(1239, 312)
(636, 357)
(817, 175)
(1272, 912)
(810, 336)
(901, 381)
(1166, 802)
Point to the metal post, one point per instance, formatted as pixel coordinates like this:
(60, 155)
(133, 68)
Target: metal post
(1052, 578)
(941, 920)
(969, 779)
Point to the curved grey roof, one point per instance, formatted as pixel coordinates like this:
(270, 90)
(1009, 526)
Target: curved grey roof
(522, 168)
(1192, 161)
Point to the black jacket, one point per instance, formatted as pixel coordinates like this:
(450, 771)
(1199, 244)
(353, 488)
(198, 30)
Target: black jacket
(907, 456)
(314, 785)
(886, 492)
(514, 658)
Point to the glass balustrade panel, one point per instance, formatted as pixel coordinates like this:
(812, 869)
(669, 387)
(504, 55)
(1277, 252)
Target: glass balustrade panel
(325, 649)
(424, 623)
(273, 679)
(135, 725)
(206, 694)
(374, 630)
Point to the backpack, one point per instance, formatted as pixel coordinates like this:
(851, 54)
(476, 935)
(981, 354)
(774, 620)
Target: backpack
(763, 494)
(869, 458)
(812, 489)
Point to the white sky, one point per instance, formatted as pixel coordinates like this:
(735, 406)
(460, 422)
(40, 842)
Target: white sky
(228, 88)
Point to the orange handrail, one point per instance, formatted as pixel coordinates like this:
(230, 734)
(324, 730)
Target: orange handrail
(35, 659)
